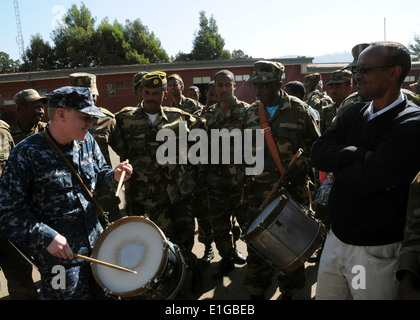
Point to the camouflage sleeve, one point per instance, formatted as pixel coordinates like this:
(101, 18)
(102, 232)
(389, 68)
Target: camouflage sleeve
(410, 250)
(6, 145)
(17, 221)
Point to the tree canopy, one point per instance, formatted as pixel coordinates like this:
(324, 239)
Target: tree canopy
(80, 42)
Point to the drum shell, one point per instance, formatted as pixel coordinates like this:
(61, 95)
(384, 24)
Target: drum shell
(287, 237)
(162, 285)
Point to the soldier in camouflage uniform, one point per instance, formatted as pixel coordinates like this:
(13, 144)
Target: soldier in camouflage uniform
(315, 97)
(44, 209)
(100, 130)
(159, 191)
(176, 87)
(293, 127)
(408, 262)
(16, 269)
(222, 180)
(341, 85)
(30, 107)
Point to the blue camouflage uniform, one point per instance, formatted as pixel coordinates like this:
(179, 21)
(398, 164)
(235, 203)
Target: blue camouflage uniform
(41, 199)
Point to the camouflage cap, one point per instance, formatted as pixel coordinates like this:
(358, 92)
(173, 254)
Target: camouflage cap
(341, 76)
(29, 95)
(77, 98)
(267, 71)
(85, 80)
(416, 86)
(176, 77)
(312, 79)
(154, 79)
(356, 51)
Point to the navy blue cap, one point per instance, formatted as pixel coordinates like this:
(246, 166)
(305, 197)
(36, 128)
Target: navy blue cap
(77, 98)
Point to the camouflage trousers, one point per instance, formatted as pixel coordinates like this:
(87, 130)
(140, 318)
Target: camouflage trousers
(79, 284)
(199, 208)
(17, 271)
(224, 210)
(175, 221)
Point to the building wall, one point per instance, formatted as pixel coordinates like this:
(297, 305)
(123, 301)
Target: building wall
(116, 88)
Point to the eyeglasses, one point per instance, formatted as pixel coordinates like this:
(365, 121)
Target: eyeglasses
(368, 69)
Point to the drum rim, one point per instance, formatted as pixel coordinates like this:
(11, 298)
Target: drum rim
(249, 235)
(100, 241)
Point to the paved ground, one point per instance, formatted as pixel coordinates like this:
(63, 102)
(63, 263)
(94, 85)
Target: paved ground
(228, 288)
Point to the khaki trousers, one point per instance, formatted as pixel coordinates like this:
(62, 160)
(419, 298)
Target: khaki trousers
(348, 272)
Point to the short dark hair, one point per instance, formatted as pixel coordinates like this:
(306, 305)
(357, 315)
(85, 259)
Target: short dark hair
(296, 88)
(397, 55)
(226, 73)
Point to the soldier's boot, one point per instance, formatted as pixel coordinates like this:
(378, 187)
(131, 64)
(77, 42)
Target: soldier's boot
(225, 266)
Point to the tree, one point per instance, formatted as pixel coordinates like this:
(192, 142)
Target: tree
(208, 43)
(415, 48)
(8, 65)
(145, 43)
(239, 54)
(39, 56)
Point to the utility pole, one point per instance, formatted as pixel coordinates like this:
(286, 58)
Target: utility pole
(19, 38)
(384, 29)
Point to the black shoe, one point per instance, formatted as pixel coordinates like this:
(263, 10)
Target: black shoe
(257, 297)
(285, 296)
(239, 258)
(197, 279)
(224, 267)
(208, 254)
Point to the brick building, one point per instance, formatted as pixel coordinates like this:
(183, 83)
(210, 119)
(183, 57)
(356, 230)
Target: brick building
(116, 89)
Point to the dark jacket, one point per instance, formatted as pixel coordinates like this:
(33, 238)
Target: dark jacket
(368, 200)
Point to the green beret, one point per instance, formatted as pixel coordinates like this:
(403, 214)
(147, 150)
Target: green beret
(154, 79)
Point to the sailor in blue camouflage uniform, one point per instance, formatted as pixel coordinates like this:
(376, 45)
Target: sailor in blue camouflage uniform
(44, 209)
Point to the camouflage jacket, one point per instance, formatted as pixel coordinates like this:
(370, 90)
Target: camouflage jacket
(223, 175)
(410, 250)
(19, 135)
(318, 100)
(101, 130)
(41, 198)
(327, 115)
(134, 139)
(6, 144)
(293, 128)
(189, 105)
(351, 100)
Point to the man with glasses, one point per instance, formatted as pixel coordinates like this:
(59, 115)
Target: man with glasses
(374, 153)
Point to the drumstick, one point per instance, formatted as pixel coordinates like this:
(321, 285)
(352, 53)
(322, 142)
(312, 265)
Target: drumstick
(121, 181)
(277, 185)
(106, 264)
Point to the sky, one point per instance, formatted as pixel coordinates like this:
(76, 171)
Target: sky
(262, 29)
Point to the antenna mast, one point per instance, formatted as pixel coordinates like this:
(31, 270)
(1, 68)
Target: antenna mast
(19, 38)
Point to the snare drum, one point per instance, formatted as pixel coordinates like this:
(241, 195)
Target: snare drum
(136, 243)
(284, 234)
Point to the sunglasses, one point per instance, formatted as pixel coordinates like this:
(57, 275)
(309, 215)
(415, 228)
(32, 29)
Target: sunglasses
(368, 69)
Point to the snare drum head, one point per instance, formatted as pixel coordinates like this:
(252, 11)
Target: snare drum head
(133, 243)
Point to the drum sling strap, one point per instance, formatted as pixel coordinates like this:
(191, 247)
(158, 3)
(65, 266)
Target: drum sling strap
(271, 143)
(78, 177)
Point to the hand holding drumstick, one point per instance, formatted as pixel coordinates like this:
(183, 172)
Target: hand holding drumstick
(122, 173)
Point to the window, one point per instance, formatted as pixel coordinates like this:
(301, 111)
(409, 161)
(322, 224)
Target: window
(111, 89)
(201, 80)
(410, 79)
(242, 77)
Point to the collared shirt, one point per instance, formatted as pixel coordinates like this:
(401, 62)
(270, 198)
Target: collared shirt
(372, 114)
